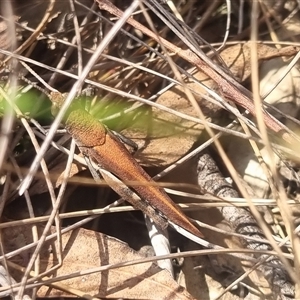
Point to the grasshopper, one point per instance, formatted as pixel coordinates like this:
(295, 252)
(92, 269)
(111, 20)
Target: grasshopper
(101, 146)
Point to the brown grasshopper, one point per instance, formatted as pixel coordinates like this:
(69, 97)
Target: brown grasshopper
(102, 147)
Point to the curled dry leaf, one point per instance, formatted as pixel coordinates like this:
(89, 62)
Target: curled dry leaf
(84, 249)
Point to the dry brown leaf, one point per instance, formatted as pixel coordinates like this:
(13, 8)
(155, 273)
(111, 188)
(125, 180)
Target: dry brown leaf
(169, 137)
(238, 57)
(84, 249)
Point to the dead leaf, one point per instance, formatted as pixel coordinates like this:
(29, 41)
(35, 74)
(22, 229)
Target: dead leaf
(238, 57)
(84, 249)
(169, 137)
